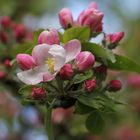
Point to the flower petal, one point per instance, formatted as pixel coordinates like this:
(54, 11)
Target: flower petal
(72, 49)
(48, 77)
(59, 54)
(40, 53)
(33, 76)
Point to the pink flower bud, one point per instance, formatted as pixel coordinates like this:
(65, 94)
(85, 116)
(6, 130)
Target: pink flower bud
(93, 5)
(90, 85)
(85, 60)
(133, 80)
(2, 75)
(7, 63)
(66, 72)
(92, 18)
(99, 28)
(114, 38)
(102, 69)
(114, 85)
(25, 61)
(5, 21)
(49, 37)
(38, 93)
(19, 32)
(65, 18)
(3, 37)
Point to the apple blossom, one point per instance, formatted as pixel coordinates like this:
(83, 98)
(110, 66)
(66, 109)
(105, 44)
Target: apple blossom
(49, 59)
(84, 61)
(49, 37)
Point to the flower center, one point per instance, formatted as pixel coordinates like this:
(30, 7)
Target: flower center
(50, 62)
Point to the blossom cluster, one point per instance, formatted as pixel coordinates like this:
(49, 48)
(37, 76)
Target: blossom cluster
(56, 64)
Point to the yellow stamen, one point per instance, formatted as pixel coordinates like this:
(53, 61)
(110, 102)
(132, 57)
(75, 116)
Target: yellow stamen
(50, 62)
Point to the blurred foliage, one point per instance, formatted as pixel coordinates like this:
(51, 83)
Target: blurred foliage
(18, 8)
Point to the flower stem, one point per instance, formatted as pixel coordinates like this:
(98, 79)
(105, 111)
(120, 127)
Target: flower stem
(48, 123)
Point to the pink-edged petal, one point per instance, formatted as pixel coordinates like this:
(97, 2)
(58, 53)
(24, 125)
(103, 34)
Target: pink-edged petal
(40, 53)
(59, 54)
(72, 49)
(33, 76)
(49, 77)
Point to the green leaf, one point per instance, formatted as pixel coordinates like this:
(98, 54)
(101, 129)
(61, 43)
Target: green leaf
(26, 47)
(60, 36)
(27, 102)
(93, 101)
(124, 63)
(82, 108)
(79, 78)
(80, 33)
(21, 48)
(25, 90)
(99, 51)
(35, 36)
(95, 123)
(34, 41)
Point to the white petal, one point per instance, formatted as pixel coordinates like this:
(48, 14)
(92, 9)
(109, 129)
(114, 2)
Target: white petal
(40, 53)
(33, 76)
(72, 49)
(59, 55)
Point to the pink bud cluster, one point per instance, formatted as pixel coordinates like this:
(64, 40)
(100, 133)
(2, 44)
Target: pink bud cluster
(19, 31)
(91, 17)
